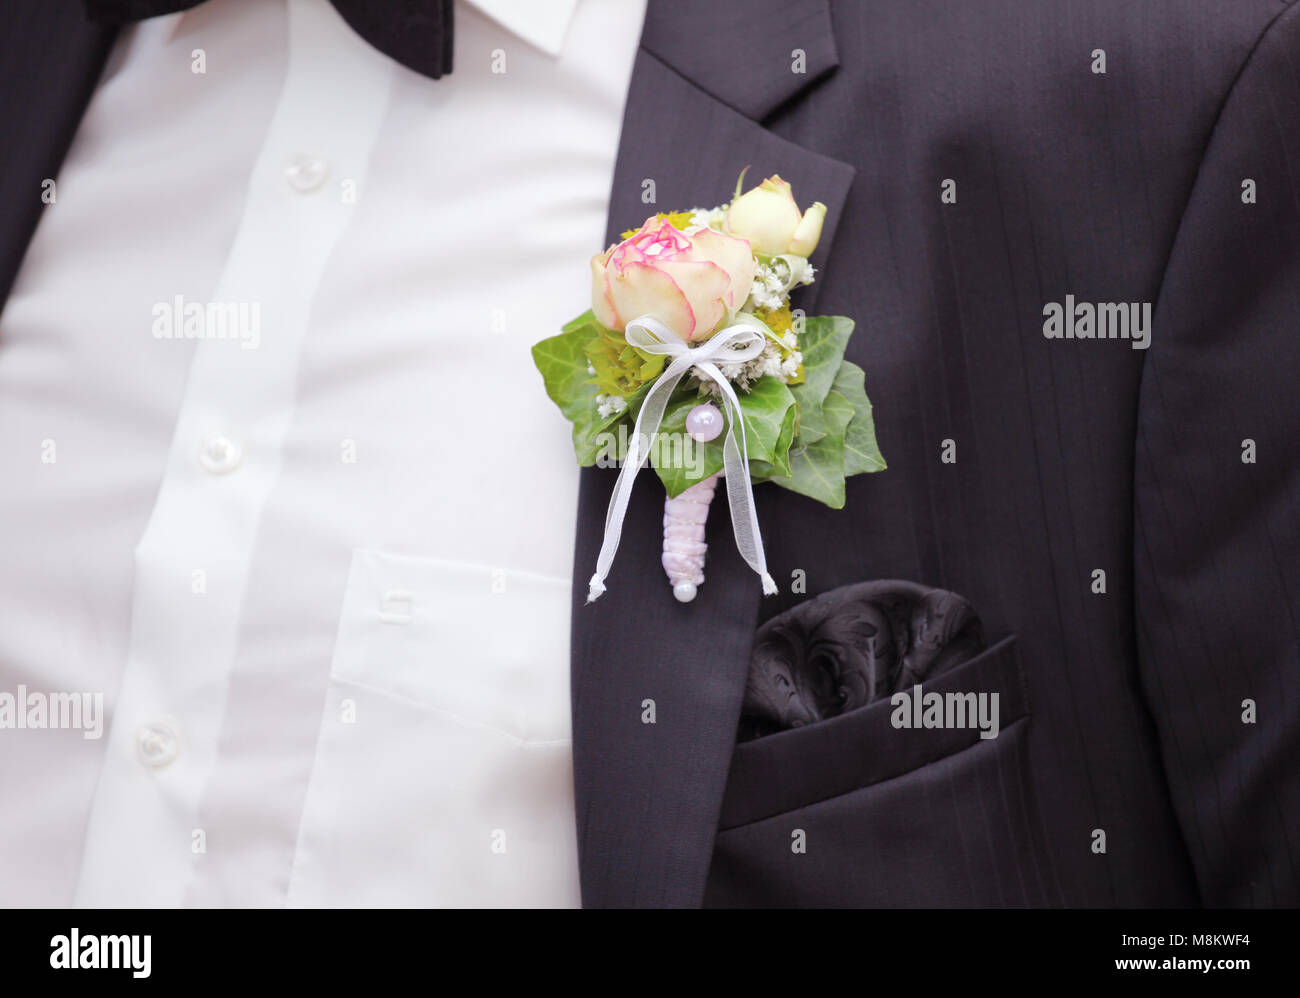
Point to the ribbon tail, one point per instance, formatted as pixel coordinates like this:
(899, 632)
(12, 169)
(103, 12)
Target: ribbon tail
(740, 491)
(652, 414)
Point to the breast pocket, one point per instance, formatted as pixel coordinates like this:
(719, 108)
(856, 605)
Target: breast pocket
(897, 804)
(443, 770)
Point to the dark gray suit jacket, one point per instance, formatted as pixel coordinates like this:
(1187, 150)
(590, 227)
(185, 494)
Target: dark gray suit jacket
(1129, 770)
(1072, 456)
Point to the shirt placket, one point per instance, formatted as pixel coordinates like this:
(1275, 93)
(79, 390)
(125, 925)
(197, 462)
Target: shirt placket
(144, 844)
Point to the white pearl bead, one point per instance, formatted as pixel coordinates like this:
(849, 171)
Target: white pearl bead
(684, 591)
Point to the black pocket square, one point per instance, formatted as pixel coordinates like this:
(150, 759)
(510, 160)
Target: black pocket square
(850, 647)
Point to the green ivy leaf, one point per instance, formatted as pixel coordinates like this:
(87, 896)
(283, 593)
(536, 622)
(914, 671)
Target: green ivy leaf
(760, 471)
(817, 468)
(822, 344)
(763, 408)
(861, 452)
(562, 361)
(599, 436)
(817, 471)
(588, 318)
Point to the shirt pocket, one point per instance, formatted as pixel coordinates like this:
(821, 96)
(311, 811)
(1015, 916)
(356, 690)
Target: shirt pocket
(443, 771)
(489, 645)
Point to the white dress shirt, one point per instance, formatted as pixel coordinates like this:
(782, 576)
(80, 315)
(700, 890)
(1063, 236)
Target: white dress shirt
(317, 560)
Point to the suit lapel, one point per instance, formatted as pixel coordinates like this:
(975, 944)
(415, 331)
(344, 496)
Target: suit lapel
(50, 60)
(648, 794)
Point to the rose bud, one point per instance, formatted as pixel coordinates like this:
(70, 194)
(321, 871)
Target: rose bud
(769, 218)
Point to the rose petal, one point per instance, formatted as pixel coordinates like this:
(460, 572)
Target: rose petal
(646, 290)
(601, 302)
(733, 255)
(809, 230)
(705, 285)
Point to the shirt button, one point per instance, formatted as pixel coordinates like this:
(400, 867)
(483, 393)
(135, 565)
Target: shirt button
(306, 173)
(220, 454)
(157, 744)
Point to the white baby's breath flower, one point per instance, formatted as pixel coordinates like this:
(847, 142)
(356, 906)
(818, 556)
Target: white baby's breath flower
(710, 218)
(609, 405)
(769, 363)
(768, 290)
(774, 279)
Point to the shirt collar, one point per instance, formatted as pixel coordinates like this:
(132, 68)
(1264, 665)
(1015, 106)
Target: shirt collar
(541, 23)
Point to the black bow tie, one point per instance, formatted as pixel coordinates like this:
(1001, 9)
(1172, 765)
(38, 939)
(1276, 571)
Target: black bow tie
(417, 33)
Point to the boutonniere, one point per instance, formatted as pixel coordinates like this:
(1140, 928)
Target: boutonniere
(691, 358)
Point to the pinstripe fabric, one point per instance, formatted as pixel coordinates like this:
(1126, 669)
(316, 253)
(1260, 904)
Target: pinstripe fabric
(1132, 780)
(1217, 550)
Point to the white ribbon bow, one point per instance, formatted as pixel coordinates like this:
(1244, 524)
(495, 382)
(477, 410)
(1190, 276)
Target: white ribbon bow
(741, 341)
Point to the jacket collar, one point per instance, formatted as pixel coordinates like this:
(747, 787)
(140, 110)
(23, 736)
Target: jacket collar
(648, 794)
(751, 56)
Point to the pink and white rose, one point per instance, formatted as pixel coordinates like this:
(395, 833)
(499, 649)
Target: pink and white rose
(692, 280)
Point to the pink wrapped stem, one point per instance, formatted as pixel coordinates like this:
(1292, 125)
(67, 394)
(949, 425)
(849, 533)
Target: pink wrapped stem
(684, 546)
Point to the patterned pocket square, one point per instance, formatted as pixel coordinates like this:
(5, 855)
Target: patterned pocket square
(850, 647)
